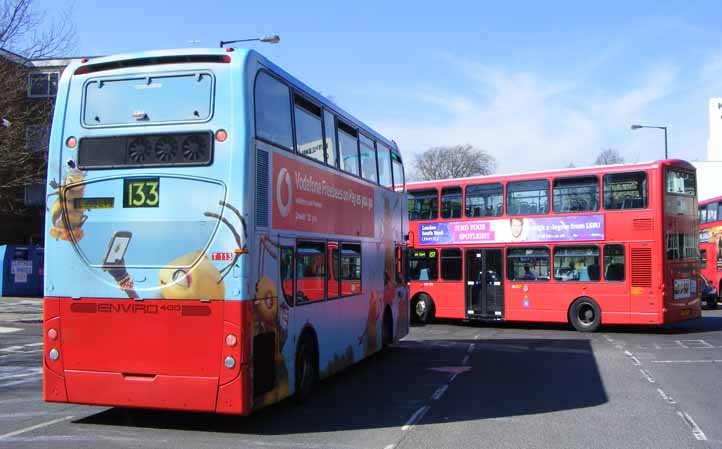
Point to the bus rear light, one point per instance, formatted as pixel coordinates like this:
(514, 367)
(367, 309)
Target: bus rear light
(53, 354)
(229, 362)
(226, 59)
(221, 135)
(231, 340)
(72, 142)
(230, 49)
(52, 334)
(82, 70)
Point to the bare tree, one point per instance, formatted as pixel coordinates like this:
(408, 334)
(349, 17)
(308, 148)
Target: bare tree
(609, 156)
(455, 161)
(25, 35)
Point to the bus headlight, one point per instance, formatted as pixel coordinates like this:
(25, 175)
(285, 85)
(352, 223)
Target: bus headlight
(54, 355)
(230, 362)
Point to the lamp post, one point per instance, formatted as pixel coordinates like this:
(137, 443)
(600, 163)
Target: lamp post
(270, 39)
(635, 127)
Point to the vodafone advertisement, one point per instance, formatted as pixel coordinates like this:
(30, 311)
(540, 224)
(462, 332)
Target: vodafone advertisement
(306, 198)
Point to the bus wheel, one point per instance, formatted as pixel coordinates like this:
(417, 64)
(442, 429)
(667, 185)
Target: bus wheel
(423, 309)
(585, 315)
(306, 369)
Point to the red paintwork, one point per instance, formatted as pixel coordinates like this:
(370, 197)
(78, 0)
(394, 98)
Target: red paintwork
(711, 271)
(151, 354)
(550, 300)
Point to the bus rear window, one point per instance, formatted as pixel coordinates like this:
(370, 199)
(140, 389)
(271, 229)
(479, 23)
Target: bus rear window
(681, 182)
(423, 204)
(148, 99)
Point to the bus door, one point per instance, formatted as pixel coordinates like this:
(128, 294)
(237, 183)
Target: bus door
(484, 286)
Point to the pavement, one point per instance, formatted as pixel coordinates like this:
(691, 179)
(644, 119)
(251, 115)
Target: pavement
(449, 384)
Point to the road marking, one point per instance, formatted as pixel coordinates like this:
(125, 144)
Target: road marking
(31, 345)
(471, 348)
(9, 330)
(466, 360)
(696, 431)
(608, 338)
(477, 336)
(11, 348)
(439, 392)
(390, 446)
(647, 376)
(36, 426)
(415, 418)
(687, 361)
(681, 345)
(666, 397)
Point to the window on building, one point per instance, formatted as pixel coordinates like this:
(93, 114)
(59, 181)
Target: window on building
(350, 269)
(484, 200)
(309, 137)
(348, 148)
(576, 263)
(527, 197)
(451, 202)
(625, 191)
(423, 204)
(368, 159)
(614, 262)
(527, 264)
(451, 267)
(423, 264)
(397, 168)
(43, 84)
(329, 127)
(310, 271)
(384, 158)
(273, 111)
(36, 138)
(576, 194)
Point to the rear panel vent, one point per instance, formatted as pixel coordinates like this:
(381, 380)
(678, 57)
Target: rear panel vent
(261, 188)
(642, 224)
(147, 150)
(642, 267)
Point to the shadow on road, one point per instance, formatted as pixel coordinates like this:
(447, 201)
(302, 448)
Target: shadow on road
(507, 377)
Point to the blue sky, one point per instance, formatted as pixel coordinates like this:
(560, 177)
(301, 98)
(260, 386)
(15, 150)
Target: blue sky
(536, 84)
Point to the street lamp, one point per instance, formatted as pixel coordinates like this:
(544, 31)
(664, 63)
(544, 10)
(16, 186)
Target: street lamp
(270, 39)
(634, 127)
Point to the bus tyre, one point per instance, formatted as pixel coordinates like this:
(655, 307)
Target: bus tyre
(306, 369)
(585, 315)
(423, 309)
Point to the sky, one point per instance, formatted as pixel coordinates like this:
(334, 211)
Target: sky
(536, 84)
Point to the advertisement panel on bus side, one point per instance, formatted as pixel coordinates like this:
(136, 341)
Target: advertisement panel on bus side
(307, 198)
(547, 229)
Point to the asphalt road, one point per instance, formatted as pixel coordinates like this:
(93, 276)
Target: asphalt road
(447, 385)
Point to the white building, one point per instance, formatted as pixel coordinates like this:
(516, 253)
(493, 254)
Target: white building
(709, 172)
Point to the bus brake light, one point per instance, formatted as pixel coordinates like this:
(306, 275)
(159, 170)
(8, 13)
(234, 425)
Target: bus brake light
(221, 135)
(52, 334)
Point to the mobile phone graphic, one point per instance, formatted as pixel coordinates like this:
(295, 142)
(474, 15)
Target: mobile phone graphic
(117, 248)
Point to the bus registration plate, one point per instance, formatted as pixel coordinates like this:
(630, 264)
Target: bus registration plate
(141, 192)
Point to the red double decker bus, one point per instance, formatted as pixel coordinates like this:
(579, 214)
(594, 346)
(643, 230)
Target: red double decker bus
(588, 246)
(710, 241)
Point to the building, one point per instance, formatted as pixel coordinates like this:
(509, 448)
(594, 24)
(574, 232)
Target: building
(709, 172)
(37, 88)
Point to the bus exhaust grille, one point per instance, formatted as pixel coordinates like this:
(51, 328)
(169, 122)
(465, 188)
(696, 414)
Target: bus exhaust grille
(642, 267)
(261, 188)
(147, 150)
(642, 224)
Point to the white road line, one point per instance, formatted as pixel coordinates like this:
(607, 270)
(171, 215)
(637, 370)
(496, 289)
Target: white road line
(471, 348)
(453, 377)
(466, 360)
(36, 426)
(687, 361)
(477, 336)
(390, 446)
(647, 376)
(439, 392)
(11, 349)
(608, 338)
(636, 361)
(9, 330)
(696, 431)
(34, 344)
(415, 418)
(681, 345)
(15, 376)
(666, 397)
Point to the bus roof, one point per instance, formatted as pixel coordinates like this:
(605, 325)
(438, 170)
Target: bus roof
(564, 172)
(710, 200)
(244, 54)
